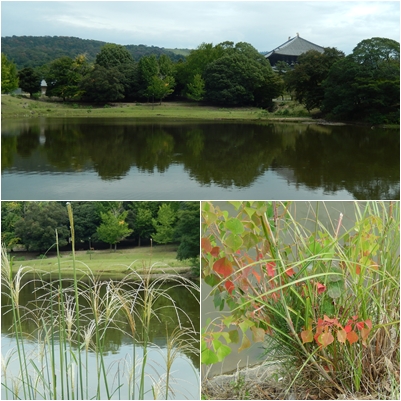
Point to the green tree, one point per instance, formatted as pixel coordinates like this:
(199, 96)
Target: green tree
(147, 69)
(187, 230)
(306, 79)
(37, 226)
(237, 80)
(11, 212)
(164, 224)
(159, 88)
(9, 76)
(112, 55)
(86, 221)
(113, 228)
(366, 84)
(104, 85)
(143, 213)
(64, 76)
(29, 80)
(196, 88)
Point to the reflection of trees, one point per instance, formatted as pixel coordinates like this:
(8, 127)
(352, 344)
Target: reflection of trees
(34, 299)
(331, 158)
(348, 159)
(8, 150)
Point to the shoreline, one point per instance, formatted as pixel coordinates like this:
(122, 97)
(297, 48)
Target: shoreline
(23, 107)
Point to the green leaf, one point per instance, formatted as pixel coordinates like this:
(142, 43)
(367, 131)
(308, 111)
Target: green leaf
(236, 204)
(212, 280)
(223, 351)
(233, 241)
(209, 357)
(245, 325)
(334, 290)
(235, 226)
(234, 336)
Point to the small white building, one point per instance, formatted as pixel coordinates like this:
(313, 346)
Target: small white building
(43, 87)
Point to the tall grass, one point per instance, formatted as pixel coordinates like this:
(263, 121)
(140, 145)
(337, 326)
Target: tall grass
(324, 299)
(71, 320)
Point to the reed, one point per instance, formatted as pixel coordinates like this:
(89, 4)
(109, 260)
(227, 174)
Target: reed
(72, 319)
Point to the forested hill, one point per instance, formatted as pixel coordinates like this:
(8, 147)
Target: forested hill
(34, 51)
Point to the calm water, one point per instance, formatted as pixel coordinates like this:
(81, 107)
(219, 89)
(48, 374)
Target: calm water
(85, 158)
(118, 348)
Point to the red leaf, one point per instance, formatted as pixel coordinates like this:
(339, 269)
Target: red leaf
(360, 325)
(358, 269)
(215, 251)
(307, 336)
(290, 272)
(206, 245)
(223, 267)
(229, 286)
(257, 276)
(270, 268)
(348, 328)
(320, 288)
(368, 323)
(352, 337)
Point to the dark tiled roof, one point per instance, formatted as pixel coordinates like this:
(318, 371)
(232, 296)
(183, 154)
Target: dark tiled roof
(295, 47)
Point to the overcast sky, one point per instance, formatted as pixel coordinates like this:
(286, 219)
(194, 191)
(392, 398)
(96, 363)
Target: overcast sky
(187, 24)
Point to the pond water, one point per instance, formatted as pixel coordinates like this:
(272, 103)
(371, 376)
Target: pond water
(118, 349)
(100, 158)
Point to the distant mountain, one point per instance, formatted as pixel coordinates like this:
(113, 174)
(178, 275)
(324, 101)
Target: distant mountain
(34, 51)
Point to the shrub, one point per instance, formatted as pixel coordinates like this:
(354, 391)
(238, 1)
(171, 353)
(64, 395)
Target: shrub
(326, 302)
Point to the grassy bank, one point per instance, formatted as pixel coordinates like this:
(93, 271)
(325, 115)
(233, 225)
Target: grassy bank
(108, 262)
(22, 107)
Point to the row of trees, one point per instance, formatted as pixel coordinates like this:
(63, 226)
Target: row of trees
(225, 74)
(33, 224)
(364, 84)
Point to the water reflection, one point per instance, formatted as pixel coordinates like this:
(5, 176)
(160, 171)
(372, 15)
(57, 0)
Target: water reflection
(232, 156)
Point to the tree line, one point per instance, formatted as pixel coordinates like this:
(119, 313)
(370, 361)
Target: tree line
(362, 85)
(33, 224)
(35, 51)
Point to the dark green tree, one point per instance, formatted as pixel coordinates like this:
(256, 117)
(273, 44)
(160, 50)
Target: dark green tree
(29, 80)
(86, 221)
(11, 212)
(9, 76)
(306, 79)
(37, 226)
(187, 230)
(112, 55)
(103, 85)
(366, 84)
(237, 80)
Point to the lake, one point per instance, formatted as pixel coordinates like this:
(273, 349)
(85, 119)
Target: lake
(117, 349)
(125, 159)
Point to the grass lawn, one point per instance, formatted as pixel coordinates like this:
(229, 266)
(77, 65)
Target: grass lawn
(14, 106)
(110, 262)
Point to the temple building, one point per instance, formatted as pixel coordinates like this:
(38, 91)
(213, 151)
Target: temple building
(291, 50)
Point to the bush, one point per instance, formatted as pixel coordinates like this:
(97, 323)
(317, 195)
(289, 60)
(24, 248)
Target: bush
(324, 302)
